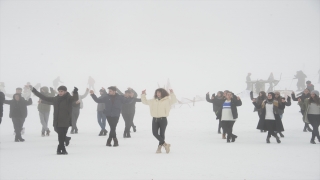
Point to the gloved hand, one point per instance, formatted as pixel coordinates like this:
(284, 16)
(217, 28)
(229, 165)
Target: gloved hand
(75, 90)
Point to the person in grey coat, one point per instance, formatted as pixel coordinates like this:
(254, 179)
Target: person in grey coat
(100, 114)
(44, 110)
(76, 106)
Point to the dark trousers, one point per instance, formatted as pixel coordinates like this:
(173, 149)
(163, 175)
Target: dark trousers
(75, 116)
(228, 127)
(306, 125)
(113, 122)
(271, 127)
(17, 125)
(62, 134)
(128, 119)
(315, 122)
(0, 119)
(159, 124)
(220, 126)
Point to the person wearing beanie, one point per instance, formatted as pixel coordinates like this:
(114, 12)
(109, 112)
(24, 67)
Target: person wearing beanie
(2, 98)
(100, 114)
(305, 95)
(270, 114)
(310, 86)
(76, 106)
(113, 105)
(44, 110)
(160, 106)
(312, 113)
(18, 113)
(262, 97)
(128, 111)
(62, 114)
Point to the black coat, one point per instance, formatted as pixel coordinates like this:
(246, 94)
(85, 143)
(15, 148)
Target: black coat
(130, 108)
(18, 109)
(62, 107)
(234, 103)
(2, 98)
(302, 97)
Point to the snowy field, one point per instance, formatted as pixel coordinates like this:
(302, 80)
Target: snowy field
(197, 150)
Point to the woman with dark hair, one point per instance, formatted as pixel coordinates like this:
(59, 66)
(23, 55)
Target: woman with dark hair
(160, 107)
(216, 109)
(270, 116)
(228, 113)
(262, 96)
(312, 113)
(305, 95)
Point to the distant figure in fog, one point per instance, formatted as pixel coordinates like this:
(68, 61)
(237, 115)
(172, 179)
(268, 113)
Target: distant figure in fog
(248, 80)
(2, 98)
(91, 83)
(301, 80)
(56, 83)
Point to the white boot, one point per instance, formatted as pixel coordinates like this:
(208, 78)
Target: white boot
(159, 149)
(167, 147)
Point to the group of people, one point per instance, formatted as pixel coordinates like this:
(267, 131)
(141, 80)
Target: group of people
(66, 110)
(270, 108)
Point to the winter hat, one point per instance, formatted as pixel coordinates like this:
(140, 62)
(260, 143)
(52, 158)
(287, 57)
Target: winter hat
(308, 82)
(113, 88)
(315, 92)
(62, 88)
(102, 90)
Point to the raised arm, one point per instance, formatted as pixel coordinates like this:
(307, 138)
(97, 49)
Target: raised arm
(173, 98)
(7, 102)
(144, 99)
(85, 94)
(41, 96)
(208, 98)
(119, 92)
(100, 100)
(29, 102)
(294, 97)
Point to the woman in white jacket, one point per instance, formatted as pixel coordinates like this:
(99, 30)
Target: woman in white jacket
(160, 107)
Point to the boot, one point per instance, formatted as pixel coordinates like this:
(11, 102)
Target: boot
(167, 147)
(67, 141)
(59, 152)
(281, 135)
(312, 142)
(72, 131)
(268, 140)
(64, 151)
(233, 138)
(116, 143)
(105, 132)
(277, 138)
(124, 134)
(42, 134)
(159, 149)
(309, 129)
(109, 142)
(48, 132)
(134, 128)
(20, 139)
(16, 139)
(101, 133)
(128, 135)
(224, 136)
(76, 131)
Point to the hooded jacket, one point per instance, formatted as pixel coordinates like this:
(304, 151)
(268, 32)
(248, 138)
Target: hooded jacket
(43, 106)
(62, 106)
(159, 108)
(18, 109)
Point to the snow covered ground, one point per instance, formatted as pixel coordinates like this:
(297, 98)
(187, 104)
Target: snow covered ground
(197, 151)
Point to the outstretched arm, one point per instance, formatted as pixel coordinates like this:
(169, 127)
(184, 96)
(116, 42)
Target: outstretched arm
(208, 98)
(29, 102)
(7, 102)
(119, 92)
(144, 98)
(294, 97)
(173, 98)
(85, 94)
(41, 96)
(94, 97)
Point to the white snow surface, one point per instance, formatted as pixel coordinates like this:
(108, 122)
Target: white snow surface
(197, 150)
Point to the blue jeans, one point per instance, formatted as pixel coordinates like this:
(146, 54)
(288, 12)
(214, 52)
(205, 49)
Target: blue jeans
(101, 119)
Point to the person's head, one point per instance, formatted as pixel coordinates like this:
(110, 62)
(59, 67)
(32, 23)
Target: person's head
(17, 97)
(271, 96)
(219, 94)
(277, 94)
(62, 90)
(112, 90)
(225, 93)
(44, 89)
(18, 90)
(306, 91)
(101, 91)
(314, 97)
(160, 93)
(229, 95)
(308, 82)
(262, 94)
(127, 93)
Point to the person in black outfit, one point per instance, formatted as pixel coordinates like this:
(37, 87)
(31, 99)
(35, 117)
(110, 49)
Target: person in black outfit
(281, 100)
(2, 98)
(128, 111)
(215, 108)
(18, 113)
(113, 105)
(62, 105)
(262, 96)
(305, 95)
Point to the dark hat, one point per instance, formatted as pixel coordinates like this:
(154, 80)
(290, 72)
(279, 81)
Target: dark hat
(62, 88)
(113, 88)
(308, 82)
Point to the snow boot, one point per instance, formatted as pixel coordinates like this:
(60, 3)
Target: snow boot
(128, 135)
(224, 136)
(59, 150)
(105, 132)
(268, 140)
(116, 143)
(134, 128)
(43, 134)
(109, 142)
(101, 133)
(281, 135)
(167, 147)
(48, 132)
(312, 142)
(124, 134)
(233, 138)
(67, 141)
(72, 131)
(277, 138)
(309, 129)
(159, 149)
(76, 131)
(64, 151)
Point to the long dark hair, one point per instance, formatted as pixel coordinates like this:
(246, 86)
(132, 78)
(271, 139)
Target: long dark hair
(163, 92)
(315, 100)
(263, 95)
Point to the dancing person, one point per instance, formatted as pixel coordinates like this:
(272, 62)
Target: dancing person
(62, 114)
(215, 108)
(312, 113)
(128, 111)
(100, 114)
(18, 113)
(301, 80)
(270, 115)
(305, 95)
(91, 83)
(76, 106)
(228, 113)
(281, 100)
(56, 82)
(248, 81)
(113, 105)
(160, 106)
(44, 110)
(262, 96)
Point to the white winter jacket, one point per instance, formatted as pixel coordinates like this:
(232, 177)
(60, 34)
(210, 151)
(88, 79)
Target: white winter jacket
(159, 108)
